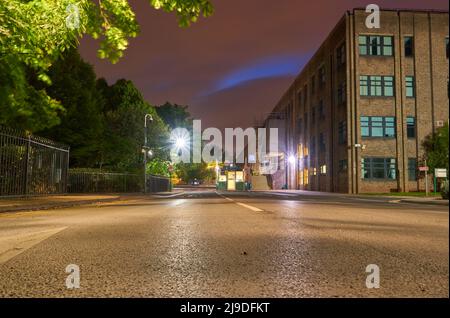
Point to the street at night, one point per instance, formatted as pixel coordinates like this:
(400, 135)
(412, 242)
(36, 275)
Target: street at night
(203, 243)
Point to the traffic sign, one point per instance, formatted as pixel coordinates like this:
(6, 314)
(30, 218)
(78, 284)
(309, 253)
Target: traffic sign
(424, 169)
(440, 173)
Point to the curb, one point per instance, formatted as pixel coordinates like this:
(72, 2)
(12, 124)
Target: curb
(56, 206)
(431, 202)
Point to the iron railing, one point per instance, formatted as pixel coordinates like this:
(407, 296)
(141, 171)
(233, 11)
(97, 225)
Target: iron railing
(31, 165)
(158, 184)
(102, 182)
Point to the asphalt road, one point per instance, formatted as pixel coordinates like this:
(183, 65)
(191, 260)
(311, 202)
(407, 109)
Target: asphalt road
(207, 244)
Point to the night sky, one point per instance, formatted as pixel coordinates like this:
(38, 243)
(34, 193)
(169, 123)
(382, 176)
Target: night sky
(231, 68)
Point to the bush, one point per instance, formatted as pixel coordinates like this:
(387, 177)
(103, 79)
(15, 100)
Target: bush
(444, 190)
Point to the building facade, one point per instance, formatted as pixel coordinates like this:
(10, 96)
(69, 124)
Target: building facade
(356, 116)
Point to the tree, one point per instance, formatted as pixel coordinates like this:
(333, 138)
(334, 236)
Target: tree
(34, 34)
(436, 148)
(82, 122)
(158, 167)
(190, 171)
(176, 116)
(124, 111)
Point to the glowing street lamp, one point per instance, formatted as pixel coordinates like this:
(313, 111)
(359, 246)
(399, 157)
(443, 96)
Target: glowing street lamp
(146, 151)
(291, 159)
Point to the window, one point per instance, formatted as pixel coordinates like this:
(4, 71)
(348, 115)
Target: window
(322, 76)
(305, 95)
(306, 122)
(305, 177)
(312, 147)
(313, 84)
(341, 94)
(410, 86)
(412, 169)
(409, 46)
(378, 127)
(340, 56)
(376, 45)
(299, 96)
(379, 168)
(321, 110)
(343, 165)
(342, 132)
(323, 170)
(447, 47)
(322, 145)
(299, 124)
(411, 127)
(313, 118)
(376, 85)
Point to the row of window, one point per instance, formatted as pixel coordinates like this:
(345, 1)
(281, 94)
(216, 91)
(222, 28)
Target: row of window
(384, 127)
(375, 45)
(371, 127)
(371, 169)
(386, 169)
(369, 85)
(383, 86)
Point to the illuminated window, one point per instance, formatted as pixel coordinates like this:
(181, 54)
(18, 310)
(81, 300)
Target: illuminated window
(305, 176)
(323, 169)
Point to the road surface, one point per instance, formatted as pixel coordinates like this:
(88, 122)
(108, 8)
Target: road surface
(201, 243)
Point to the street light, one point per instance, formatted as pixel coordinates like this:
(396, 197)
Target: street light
(146, 151)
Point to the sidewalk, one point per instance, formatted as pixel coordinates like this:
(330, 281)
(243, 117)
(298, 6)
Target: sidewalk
(433, 200)
(59, 201)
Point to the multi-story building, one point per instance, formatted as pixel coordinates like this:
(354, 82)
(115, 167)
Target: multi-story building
(357, 114)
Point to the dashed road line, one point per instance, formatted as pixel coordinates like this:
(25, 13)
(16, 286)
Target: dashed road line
(254, 209)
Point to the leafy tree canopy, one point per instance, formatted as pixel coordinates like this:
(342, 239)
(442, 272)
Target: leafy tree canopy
(35, 33)
(176, 116)
(436, 149)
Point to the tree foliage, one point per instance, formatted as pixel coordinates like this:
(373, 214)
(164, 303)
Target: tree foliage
(159, 167)
(187, 172)
(34, 34)
(176, 116)
(124, 112)
(436, 148)
(103, 124)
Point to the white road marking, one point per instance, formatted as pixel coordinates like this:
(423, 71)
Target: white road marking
(13, 245)
(241, 204)
(249, 207)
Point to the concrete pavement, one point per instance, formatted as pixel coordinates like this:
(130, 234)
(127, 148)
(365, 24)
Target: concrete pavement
(207, 244)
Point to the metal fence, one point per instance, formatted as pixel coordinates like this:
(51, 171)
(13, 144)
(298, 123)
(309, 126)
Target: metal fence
(158, 184)
(31, 165)
(101, 182)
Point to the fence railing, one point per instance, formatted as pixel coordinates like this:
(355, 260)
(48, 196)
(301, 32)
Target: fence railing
(31, 165)
(158, 184)
(101, 182)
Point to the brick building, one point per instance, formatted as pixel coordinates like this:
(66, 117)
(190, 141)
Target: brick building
(358, 112)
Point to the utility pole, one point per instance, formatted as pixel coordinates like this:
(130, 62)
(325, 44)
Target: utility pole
(427, 190)
(147, 117)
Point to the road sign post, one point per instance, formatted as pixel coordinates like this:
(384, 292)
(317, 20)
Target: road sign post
(425, 169)
(439, 173)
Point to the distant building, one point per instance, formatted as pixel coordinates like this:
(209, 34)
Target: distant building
(357, 114)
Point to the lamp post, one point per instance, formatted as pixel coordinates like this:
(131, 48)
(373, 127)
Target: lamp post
(147, 117)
